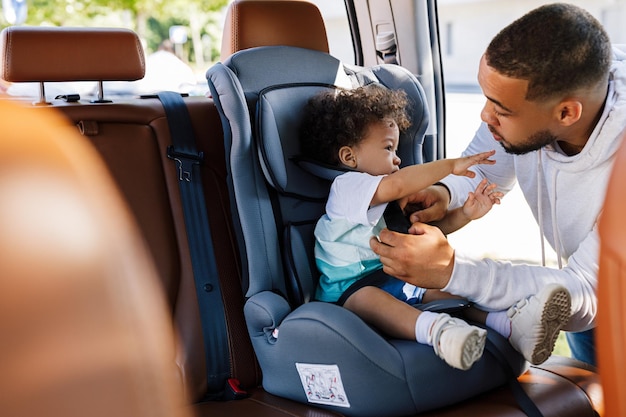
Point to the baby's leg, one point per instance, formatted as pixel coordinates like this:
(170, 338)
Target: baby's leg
(453, 340)
(380, 309)
(532, 325)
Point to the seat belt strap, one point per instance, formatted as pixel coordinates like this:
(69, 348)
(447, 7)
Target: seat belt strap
(395, 218)
(526, 404)
(184, 152)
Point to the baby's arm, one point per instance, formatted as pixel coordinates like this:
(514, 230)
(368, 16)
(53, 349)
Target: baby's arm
(476, 206)
(411, 179)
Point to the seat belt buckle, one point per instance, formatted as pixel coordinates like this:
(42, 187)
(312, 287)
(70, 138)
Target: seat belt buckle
(185, 162)
(233, 390)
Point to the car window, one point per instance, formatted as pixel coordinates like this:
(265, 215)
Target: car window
(337, 29)
(172, 60)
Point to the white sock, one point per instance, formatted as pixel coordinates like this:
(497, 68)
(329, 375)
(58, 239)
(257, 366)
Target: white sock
(423, 324)
(500, 322)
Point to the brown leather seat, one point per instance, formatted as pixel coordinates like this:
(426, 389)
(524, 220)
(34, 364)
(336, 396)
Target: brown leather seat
(84, 329)
(132, 135)
(611, 330)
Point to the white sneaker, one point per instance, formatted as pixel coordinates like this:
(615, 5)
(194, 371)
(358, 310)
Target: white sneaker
(537, 321)
(456, 342)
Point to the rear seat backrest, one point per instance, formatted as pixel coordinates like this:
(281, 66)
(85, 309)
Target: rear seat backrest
(132, 136)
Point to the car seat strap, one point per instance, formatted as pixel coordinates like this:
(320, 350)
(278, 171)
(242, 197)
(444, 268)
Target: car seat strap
(184, 152)
(526, 404)
(395, 219)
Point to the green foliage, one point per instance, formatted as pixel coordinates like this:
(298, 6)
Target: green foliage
(151, 19)
(85, 12)
(159, 30)
(561, 347)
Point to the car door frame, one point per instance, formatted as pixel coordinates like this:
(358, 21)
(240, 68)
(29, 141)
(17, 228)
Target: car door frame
(415, 30)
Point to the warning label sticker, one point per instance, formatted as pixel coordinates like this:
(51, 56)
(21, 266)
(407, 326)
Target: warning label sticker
(322, 384)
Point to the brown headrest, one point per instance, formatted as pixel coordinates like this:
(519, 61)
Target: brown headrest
(251, 23)
(31, 54)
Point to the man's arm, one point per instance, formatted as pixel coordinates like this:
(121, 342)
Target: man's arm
(427, 260)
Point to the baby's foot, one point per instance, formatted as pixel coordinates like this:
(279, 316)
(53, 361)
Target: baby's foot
(457, 342)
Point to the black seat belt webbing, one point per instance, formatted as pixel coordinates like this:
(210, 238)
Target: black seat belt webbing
(184, 152)
(526, 404)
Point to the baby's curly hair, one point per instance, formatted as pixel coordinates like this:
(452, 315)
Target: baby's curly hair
(333, 119)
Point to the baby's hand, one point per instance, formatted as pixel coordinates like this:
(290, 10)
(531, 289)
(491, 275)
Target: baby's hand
(481, 200)
(461, 165)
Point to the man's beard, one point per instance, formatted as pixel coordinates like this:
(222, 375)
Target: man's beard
(534, 142)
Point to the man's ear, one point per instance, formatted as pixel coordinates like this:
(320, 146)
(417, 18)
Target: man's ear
(347, 157)
(569, 111)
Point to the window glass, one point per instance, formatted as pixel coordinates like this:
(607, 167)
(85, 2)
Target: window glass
(179, 46)
(337, 28)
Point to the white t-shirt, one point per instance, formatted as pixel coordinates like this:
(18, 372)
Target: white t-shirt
(342, 251)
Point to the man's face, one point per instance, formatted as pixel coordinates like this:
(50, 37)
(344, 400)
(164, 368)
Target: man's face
(519, 125)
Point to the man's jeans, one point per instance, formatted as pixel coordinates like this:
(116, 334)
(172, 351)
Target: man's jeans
(582, 346)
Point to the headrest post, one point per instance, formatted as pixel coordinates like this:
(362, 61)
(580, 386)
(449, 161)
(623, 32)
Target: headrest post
(101, 94)
(42, 96)
(40, 54)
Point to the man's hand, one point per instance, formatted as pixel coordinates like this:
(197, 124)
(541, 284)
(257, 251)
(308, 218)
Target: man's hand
(423, 258)
(433, 201)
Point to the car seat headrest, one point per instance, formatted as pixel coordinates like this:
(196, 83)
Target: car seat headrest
(36, 54)
(279, 115)
(270, 23)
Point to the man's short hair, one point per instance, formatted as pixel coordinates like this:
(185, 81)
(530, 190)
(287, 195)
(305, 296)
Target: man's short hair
(558, 48)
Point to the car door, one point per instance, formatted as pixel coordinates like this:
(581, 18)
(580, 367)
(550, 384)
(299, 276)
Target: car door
(404, 32)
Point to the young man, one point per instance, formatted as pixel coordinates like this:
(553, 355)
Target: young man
(556, 103)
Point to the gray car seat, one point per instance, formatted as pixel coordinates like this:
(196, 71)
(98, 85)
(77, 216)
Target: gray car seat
(311, 351)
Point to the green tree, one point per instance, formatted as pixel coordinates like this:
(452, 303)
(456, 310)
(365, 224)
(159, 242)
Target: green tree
(198, 15)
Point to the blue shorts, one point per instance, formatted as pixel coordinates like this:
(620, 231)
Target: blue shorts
(385, 282)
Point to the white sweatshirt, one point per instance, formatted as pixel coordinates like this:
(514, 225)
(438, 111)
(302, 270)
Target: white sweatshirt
(565, 194)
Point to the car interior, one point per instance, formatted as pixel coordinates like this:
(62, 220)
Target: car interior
(105, 308)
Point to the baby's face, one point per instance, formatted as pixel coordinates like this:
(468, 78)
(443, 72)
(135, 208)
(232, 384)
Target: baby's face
(376, 153)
